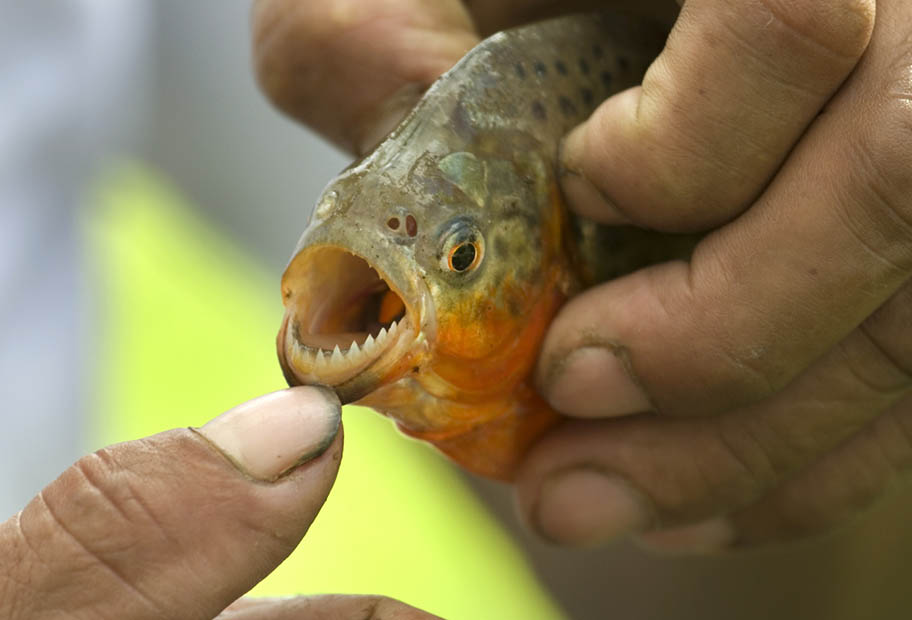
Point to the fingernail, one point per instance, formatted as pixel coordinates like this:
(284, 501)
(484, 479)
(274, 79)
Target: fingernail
(594, 382)
(269, 436)
(703, 537)
(581, 194)
(584, 506)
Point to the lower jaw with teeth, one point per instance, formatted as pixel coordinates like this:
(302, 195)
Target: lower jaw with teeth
(315, 364)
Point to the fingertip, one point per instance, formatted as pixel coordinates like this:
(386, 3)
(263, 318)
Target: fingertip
(583, 196)
(587, 164)
(593, 381)
(269, 436)
(584, 506)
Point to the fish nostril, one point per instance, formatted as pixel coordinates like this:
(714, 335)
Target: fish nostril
(393, 223)
(411, 226)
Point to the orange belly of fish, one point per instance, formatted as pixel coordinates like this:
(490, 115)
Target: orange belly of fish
(495, 414)
(496, 448)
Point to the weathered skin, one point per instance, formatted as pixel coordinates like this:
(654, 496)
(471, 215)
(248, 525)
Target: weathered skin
(474, 166)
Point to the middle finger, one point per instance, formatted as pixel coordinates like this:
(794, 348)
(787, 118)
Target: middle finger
(590, 481)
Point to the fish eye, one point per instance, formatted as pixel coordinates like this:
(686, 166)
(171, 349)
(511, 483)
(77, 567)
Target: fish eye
(462, 249)
(463, 256)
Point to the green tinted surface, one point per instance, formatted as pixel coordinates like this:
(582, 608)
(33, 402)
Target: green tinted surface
(188, 325)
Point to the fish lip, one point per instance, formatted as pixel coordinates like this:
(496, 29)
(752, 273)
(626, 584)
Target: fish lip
(388, 358)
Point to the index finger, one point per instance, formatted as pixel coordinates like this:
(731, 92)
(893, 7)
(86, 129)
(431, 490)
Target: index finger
(352, 69)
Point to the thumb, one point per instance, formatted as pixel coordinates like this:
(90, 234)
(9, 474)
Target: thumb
(177, 525)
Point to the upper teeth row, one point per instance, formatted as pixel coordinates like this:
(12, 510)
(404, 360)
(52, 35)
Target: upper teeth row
(317, 358)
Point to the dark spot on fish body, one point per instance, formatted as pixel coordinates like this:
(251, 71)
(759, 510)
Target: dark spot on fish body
(515, 306)
(411, 225)
(540, 68)
(538, 110)
(587, 96)
(567, 107)
(520, 71)
(583, 66)
(623, 63)
(561, 67)
(415, 369)
(607, 79)
(597, 51)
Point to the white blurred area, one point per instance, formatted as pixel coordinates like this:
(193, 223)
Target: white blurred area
(68, 72)
(87, 83)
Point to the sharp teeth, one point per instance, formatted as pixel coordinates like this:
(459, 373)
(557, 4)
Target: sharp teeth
(320, 358)
(381, 335)
(393, 327)
(290, 340)
(353, 351)
(336, 355)
(369, 343)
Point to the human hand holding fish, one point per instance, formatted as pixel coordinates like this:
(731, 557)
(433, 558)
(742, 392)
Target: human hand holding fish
(184, 523)
(755, 392)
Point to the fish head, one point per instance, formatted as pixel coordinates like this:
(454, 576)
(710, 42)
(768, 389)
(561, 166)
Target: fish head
(426, 272)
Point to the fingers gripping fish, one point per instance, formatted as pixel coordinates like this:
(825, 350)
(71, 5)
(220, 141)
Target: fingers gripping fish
(431, 268)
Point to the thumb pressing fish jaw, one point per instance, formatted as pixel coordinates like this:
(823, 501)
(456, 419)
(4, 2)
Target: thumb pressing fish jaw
(271, 436)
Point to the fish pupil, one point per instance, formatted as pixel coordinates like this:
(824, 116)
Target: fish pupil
(463, 257)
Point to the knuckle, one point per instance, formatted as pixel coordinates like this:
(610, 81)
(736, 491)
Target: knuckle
(271, 56)
(841, 27)
(79, 528)
(19, 581)
(746, 367)
(741, 360)
(747, 373)
(879, 217)
(729, 470)
(379, 607)
(754, 469)
(884, 150)
(96, 503)
(701, 185)
(889, 330)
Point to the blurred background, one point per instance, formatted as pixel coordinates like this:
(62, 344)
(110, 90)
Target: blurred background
(149, 199)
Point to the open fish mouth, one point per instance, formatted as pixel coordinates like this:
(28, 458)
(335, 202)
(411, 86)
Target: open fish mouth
(346, 325)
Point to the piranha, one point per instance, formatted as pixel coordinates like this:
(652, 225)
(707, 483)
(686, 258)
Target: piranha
(430, 269)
